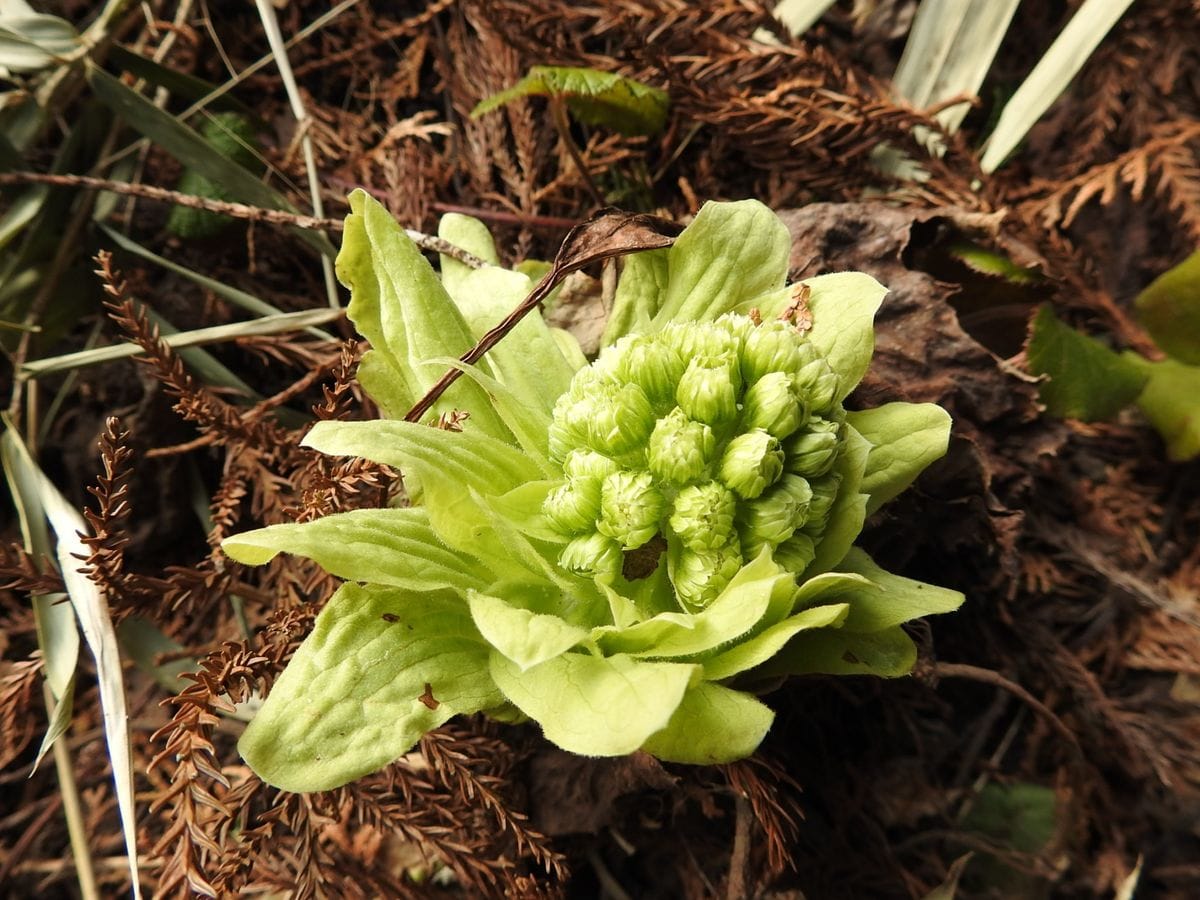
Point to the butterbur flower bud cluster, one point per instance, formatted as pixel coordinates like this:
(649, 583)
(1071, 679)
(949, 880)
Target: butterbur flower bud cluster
(719, 436)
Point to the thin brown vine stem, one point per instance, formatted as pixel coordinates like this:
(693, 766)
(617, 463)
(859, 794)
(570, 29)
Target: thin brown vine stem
(987, 676)
(558, 112)
(224, 207)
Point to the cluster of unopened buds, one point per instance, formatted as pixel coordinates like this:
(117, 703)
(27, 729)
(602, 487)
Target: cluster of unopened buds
(718, 437)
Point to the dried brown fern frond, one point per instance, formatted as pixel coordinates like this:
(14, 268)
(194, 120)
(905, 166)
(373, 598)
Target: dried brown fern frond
(467, 765)
(770, 790)
(18, 722)
(194, 402)
(25, 573)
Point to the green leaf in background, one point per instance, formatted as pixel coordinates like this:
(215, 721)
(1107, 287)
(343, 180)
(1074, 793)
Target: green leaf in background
(1022, 817)
(192, 150)
(1171, 401)
(32, 42)
(593, 97)
(1170, 310)
(639, 294)
(381, 667)
(231, 135)
(1088, 381)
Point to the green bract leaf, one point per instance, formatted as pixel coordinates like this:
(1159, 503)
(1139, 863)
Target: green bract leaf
(395, 547)
(1087, 380)
(890, 599)
(843, 307)
(733, 613)
(639, 295)
(904, 438)
(466, 233)
(400, 306)
(712, 725)
(592, 705)
(758, 649)
(1171, 401)
(381, 668)
(594, 97)
(730, 253)
(887, 654)
(1170, 310)
(525, 637)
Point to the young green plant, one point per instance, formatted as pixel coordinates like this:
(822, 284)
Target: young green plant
(619, 550)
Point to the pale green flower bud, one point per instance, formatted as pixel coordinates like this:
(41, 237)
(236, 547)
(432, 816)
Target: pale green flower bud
(700, 576)
(752, 462)
(813, 451)
(593, 554)
(773, 405)
(569, 428)
(620, 418)
(680, 449)
(739, 328)
(708, 390)
(631, 508)
(816, 382)
(796, 553)
(703, 516)
(771, 347)
(582, 462)
(701, 339)
(775, 516)
(572, 507)
(825, 492)
(654, 366)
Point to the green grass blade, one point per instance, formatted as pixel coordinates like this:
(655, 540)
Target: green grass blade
(1050, 77)
(276, 324)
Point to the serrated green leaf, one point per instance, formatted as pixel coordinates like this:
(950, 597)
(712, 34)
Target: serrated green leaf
(988, 262)
(1087, 380)
(905, 438)
(595, 706)
(393, 547)
(594, 97)
(1169, 308)
(890, 599)
(712, 725)
(730, 253)
(843, 307)
(398, 303)
(381, 667)
(1171, 402)
(525, 637)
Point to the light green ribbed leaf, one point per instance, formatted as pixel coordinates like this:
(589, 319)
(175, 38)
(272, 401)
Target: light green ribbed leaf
(905, 438)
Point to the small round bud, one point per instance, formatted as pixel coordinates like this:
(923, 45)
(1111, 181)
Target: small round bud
(825, 492)
(700, 577)
(815, 380)
(620, 418)
(703, 516)
(773, 405)
(739, 328)
(680, 449)
(771, 347)
(752, 462)
(573, 506)
(796, 553)
(582, 462)
(775, 516)
(593, 554)
(654, 366)
(708, 390)
(631, 508)
(813, 451)
(569, 428)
